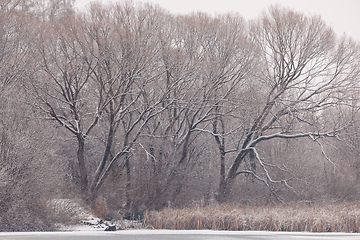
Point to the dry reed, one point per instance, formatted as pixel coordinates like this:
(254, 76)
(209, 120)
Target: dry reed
(298, 217)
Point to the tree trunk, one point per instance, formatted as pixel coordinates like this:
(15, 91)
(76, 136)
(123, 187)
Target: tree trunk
(229, 180)
(82, 168)
(102, 164)
(233, 170)
(222, 186)
(157, 199)
(128, 182)
(221, 145)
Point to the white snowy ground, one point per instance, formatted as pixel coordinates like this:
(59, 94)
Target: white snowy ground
(86, 232)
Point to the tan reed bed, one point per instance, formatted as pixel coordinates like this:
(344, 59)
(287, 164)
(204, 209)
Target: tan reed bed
(297, 217)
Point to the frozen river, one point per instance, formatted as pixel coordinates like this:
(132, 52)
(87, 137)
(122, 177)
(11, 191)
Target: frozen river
(175, 235)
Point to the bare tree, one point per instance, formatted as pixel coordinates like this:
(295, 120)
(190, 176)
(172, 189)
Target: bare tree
(205, 58)
(126, 78)
(61, 84)
(18, 131)
(99, 71)
(304, 72)
(14, 33)
(48, 10)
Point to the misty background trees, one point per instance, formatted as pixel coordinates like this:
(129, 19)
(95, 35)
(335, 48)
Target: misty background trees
(141, 109)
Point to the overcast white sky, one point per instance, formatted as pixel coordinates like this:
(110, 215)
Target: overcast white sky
(342, 15)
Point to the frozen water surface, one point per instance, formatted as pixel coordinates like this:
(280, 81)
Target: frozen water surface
(175, 235)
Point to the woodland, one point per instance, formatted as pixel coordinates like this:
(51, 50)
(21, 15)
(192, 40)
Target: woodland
(127, 108)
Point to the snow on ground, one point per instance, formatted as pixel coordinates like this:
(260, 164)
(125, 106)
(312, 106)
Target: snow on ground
(84, 233)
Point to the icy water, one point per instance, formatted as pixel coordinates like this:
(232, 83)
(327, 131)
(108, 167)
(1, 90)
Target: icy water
(176, 235)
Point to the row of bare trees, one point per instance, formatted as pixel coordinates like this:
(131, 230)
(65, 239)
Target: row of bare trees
(22, 134)
(151, 109)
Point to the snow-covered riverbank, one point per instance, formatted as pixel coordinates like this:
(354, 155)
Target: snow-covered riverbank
(89, 234)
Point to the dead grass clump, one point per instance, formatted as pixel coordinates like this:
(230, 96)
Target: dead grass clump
(100, 207)
(295, 217)
(65, 211)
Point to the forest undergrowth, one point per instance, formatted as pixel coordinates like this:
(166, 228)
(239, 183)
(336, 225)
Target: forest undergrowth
(337, 217)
